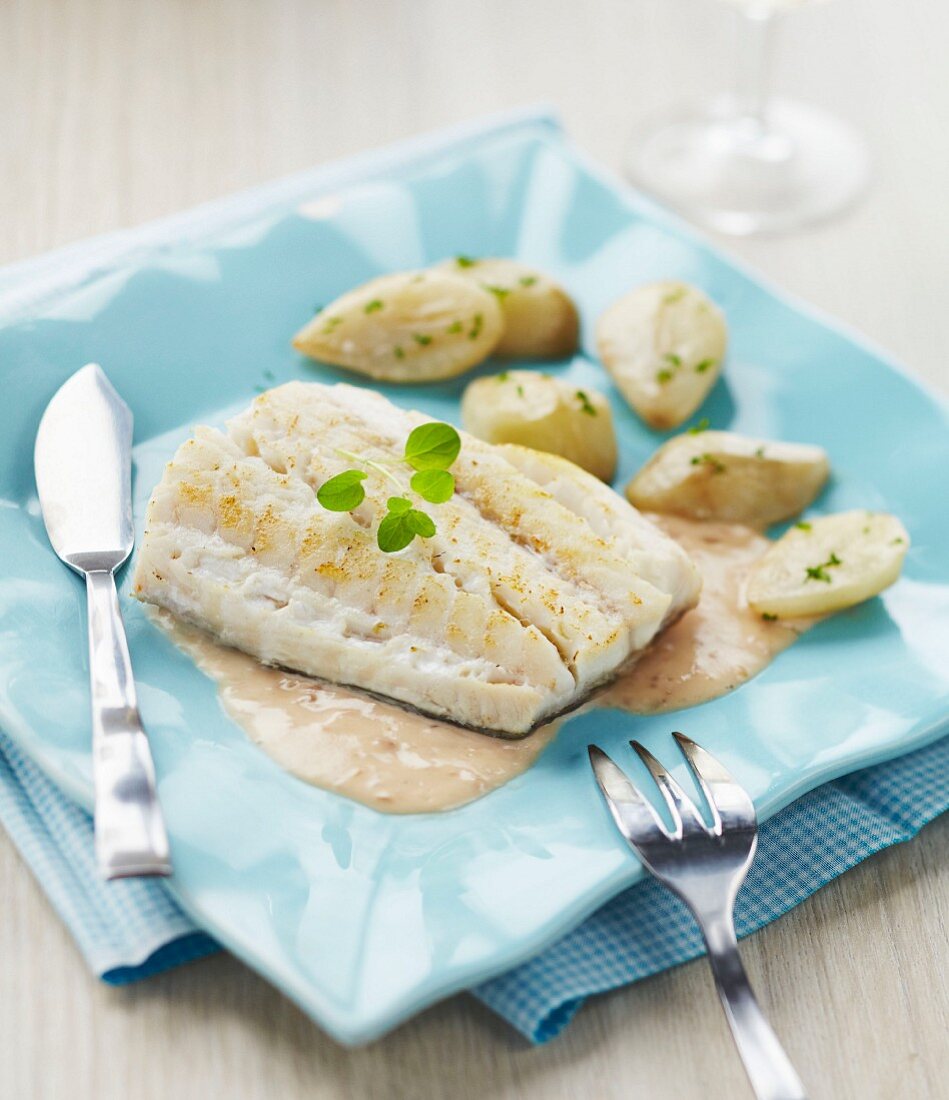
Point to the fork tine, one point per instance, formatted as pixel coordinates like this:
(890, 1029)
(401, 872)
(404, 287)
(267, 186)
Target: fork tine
(680, 805)
(725, 797)
(634, 816)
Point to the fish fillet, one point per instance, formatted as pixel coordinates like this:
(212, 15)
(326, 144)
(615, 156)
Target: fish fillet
(533, 590)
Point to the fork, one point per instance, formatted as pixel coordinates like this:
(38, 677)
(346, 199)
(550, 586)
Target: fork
(705, 866)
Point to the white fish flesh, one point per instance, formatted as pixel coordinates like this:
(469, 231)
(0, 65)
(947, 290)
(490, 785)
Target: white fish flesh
(539, 584)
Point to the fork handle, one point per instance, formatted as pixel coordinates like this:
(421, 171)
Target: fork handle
(130, 834)
(769, 1069)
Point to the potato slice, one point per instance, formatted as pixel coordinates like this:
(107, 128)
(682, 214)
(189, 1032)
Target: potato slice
(729, 477)
(540, 319)
(545, 413)
(663, 344)
(828, 564)
(415, 326)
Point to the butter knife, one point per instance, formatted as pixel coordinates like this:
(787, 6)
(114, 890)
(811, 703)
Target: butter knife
(83, 465)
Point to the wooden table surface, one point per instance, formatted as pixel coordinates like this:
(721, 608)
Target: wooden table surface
(115, 112)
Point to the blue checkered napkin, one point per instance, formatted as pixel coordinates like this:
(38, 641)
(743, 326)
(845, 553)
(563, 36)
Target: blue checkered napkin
(647, 929)
(127, 930)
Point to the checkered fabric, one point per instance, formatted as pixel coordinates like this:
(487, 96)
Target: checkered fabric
(128, 930)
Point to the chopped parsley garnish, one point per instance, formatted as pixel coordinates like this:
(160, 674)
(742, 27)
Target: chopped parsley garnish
(465, 261)
(706, 459)
(398, 352)
(803, 525)
(897, 542)
(704, 365)
(665, 373)
(454, 328)
(422, 339)
(503, 376)
(374, 305)
(520, 391)
(819, 572)
(500, 292)
(476, 326)
(702, 426)
(674, 296)
(331, 323)
(527, 280)
(759, 453)
(768, 617)
(585, 404)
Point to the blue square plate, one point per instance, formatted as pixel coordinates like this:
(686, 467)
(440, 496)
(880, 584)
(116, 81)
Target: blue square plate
(364, 918)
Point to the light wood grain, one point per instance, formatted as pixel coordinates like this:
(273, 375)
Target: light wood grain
(116, 112)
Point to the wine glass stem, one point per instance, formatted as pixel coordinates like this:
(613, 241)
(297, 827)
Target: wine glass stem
(755, 40)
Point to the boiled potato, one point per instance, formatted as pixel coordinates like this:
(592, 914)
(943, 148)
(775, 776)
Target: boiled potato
(729, 477)
(545, 413)
(828, 564)
(663, 344)
(540, 319)
(415, 326)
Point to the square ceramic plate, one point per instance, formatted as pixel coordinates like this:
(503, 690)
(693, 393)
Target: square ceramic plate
(365, 918)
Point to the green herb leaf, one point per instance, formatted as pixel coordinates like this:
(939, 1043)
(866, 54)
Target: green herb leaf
(343, 492)
(759, 453)
(674, 296)
(476, 325)
(401, 525)
(503, 376)
(398, 352)
(435, 486)
(585, 403)
(702, 426)
(421, 523)
(527, 280)
(331, 324)
(671, 357)
(422, 339)
(374, 305)
(819, 572)
(704, 365)
(394, 533)
(520, 391)
(465, 261)
(803, 525)
(706, 459)
(663, 376)
(432, 446)
(768, 617)
(454, 327)
(500, 292)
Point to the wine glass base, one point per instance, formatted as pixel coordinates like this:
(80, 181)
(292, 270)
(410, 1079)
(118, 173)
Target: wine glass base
(736, 175)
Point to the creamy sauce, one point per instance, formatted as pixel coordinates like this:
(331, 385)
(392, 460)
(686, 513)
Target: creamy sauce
(716, 646)
(377, 753)
(401, 762)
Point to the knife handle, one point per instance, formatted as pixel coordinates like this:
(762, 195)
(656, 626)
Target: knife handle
(130, 834)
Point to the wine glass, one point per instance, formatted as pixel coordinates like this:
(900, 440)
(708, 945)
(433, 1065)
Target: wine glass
(746, 162)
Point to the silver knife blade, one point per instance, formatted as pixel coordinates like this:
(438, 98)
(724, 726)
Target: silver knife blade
(83, 464)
